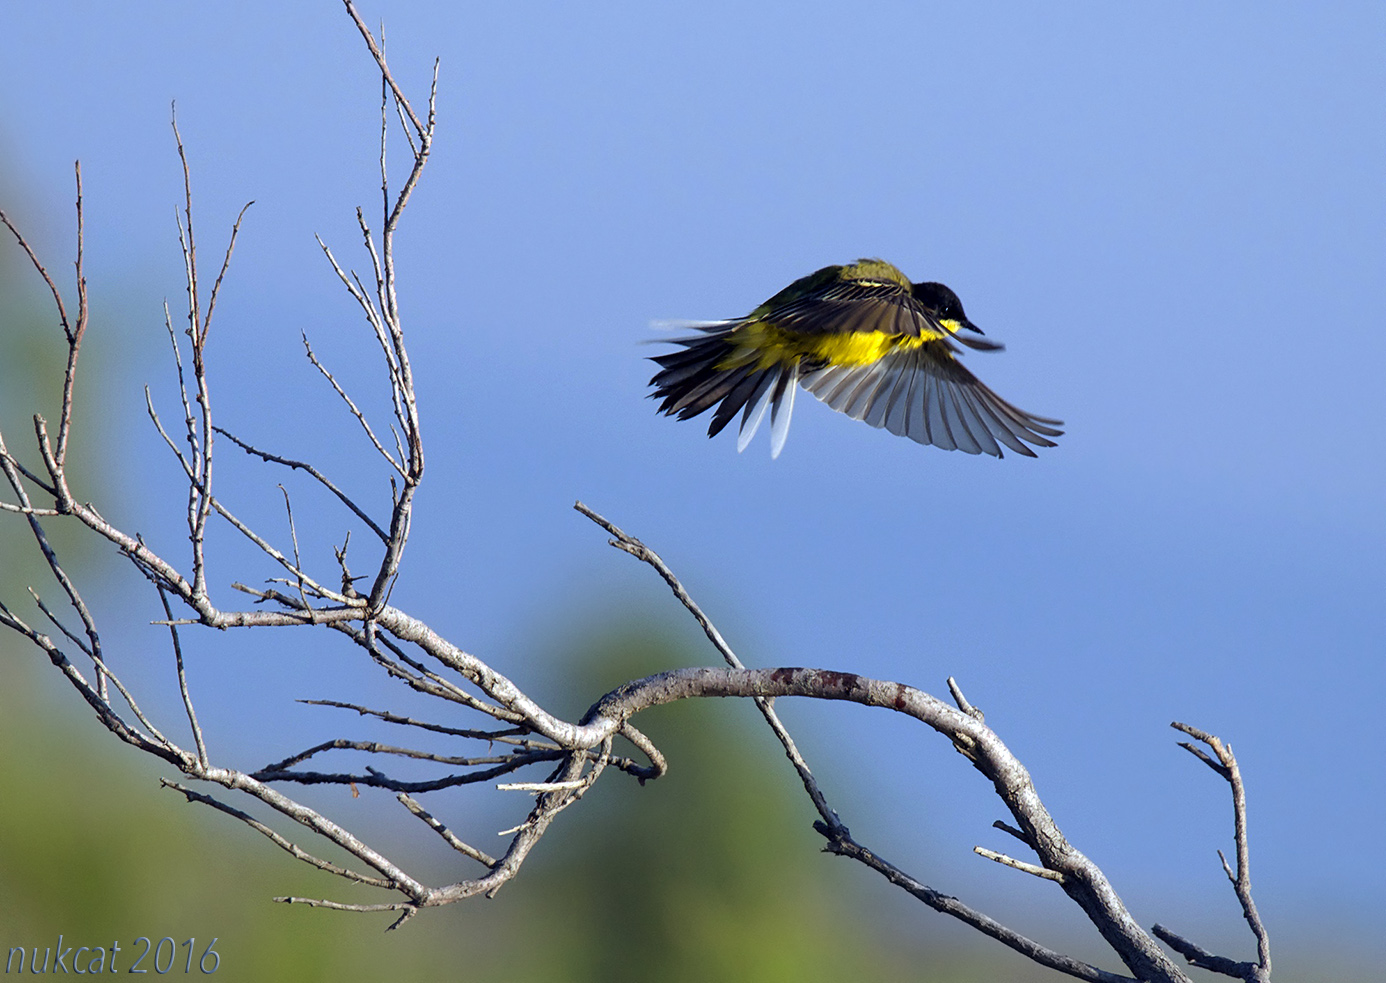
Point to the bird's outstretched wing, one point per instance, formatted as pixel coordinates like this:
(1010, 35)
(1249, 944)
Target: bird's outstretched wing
(925, 394)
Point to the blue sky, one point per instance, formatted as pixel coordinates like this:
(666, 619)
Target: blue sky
(1173, 217)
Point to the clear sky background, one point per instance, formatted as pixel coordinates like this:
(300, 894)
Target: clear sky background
(1173, 215)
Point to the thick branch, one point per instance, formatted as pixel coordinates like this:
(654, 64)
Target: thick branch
(1082, 879)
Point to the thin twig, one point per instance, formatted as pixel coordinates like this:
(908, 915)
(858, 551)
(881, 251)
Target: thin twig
(340, 906)
(93, 646)
(1008, 828)
(57, 623)
(292, 849)
(375, 747)
(841, 843)
(1203, 959)
(962, 703)
(504, 736)
(21, 510)
(1001, 858)
(448, 836)
(374, 778)
(200, 490)
(356, 412)
(42, 485)
(312, 472)
(225, 265)
(298, 560)
(1226, 766)
(379, 57)
(74, 337)
(40, 269)
(183, 681)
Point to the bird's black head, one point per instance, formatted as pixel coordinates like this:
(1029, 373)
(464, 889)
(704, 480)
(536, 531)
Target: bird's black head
(940, 300)
(943, 304)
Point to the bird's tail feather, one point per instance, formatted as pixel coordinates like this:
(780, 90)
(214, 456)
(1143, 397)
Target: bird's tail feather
(697, 377)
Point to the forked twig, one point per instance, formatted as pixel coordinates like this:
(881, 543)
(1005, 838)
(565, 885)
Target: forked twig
(1224, 763)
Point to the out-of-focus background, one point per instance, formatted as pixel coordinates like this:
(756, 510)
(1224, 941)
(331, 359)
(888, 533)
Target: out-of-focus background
(1172, 217)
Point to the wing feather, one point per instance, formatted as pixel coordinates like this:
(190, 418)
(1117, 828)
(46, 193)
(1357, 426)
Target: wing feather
(739, 396)
(782, 408)
(755, 408)
(968, 426)
(897, 414)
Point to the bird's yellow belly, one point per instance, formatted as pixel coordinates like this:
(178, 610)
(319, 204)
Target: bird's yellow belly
(765, 344)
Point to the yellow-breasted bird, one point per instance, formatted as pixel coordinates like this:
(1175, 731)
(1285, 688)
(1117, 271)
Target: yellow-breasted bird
(864, 340)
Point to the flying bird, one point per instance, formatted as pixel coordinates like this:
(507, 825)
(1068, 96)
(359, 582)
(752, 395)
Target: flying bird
(864, 340)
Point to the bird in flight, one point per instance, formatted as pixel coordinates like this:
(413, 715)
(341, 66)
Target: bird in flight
(864, 340)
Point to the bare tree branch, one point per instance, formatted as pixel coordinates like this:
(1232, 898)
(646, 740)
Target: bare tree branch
(1224, 763)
